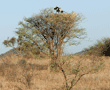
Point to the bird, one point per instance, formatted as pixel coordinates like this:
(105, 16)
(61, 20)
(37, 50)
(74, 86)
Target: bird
(58, 9)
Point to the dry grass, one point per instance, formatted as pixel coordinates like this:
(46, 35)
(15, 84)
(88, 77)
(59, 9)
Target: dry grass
(19, 73)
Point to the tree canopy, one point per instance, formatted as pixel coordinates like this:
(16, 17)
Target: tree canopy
(47, 32)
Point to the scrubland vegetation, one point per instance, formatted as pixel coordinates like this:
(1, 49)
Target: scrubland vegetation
(41, 71)
(20, 73)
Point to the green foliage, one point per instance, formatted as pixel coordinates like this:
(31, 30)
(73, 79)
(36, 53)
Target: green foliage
(99, 49)
(33, 37)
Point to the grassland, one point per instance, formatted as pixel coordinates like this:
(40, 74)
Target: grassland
(19, 73)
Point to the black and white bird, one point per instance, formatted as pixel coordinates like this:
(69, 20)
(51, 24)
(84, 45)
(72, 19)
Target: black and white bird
(58, 9)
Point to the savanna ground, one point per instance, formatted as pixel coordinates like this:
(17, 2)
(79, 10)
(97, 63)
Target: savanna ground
(20, 73)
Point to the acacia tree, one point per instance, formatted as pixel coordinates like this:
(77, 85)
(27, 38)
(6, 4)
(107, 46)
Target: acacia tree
(50, 29)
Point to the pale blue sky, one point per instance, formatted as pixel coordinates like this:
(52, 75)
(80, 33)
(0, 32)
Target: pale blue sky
(95, 12)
